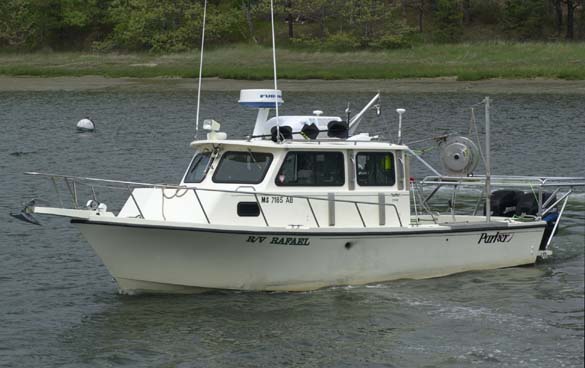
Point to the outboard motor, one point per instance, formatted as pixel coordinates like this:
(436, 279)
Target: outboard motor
(504, 202)
(510, 203)
(528, 204)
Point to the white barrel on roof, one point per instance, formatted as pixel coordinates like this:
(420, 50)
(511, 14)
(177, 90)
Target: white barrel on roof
(260, 98)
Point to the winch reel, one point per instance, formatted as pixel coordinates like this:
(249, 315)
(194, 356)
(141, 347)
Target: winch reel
(459, 156)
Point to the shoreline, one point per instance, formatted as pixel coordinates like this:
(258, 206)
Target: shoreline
(414, 85)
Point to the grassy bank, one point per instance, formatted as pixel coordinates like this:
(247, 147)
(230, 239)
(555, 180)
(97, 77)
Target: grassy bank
(464, 61)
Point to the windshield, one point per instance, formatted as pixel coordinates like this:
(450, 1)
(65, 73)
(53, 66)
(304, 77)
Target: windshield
(242, 167)
(198, 168)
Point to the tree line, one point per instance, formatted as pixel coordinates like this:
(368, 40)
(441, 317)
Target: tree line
(341, 25)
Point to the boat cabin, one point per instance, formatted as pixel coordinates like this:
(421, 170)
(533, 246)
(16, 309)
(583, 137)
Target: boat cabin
(291, 184)
(293, 171)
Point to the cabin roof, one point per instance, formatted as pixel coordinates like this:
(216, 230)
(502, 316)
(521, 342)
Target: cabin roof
(296, 144)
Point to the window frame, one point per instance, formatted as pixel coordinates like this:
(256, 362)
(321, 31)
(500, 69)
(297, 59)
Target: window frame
(206, 169)
(221, 160)
(343, 166)
(391, 153)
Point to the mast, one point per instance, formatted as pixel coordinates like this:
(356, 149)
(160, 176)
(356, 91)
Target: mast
(200, 68)
(274, 67)
(488, 189)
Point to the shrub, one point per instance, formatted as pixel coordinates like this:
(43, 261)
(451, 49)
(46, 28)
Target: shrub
(387, 42)
(524, 18)
(448, 21)
(341, 41)
(306, 43)
(486, 11)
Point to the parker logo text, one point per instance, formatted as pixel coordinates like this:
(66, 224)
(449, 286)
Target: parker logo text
(498, 237)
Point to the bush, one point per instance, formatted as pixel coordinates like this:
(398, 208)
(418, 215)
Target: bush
(448, 22)
(387, 42)
(486, 11)
(524, 18)
(102, 46)
(306, 43)
(341, 42)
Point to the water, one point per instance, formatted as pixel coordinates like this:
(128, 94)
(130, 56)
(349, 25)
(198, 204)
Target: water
(60, 308)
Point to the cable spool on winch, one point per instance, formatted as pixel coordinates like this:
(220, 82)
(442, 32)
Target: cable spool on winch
(459, 156)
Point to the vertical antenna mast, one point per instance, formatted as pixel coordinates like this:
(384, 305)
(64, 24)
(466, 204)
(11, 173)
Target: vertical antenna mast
(274, 66)
(200, 68)
(488, 165)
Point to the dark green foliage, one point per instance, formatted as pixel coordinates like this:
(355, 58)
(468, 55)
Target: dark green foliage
(486, 11)
(52, 24)
(389, 42)
(163, 26)
(344, 42)
(448, 21)
(175, 25)
(16, 25)
(155, 25)
(524, 19)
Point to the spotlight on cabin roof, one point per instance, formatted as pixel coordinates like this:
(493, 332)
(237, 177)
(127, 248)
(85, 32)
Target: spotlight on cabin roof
(85, 125)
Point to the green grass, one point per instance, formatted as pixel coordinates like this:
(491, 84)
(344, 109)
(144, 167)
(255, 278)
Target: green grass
(473, 61)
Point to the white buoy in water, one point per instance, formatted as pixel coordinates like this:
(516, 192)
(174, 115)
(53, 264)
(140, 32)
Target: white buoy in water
(85, 125)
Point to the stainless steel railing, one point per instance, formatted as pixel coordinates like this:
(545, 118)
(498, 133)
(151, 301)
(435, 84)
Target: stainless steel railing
(74, 182)
(563, 186)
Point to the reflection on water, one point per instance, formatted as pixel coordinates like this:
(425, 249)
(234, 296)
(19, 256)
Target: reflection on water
(60, 307)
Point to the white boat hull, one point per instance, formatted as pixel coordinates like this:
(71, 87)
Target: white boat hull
(151, 258)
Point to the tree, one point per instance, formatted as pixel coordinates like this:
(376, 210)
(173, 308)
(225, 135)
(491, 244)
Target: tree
(419, 5)
(466, 11)
(248, 9)
(524, 19)
(16, 24)
(582, 20)
(571, 6)
(448, 21)
(289, 18)
(558, 13)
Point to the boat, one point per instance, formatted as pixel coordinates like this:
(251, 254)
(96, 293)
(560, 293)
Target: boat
(307, 202)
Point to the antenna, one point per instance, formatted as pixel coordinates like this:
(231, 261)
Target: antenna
(200, 69)
(348, 112)
(356, 120)
(488, 165)
(274, 66)
(400, 112)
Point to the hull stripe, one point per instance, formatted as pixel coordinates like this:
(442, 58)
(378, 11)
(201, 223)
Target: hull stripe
(458, 229)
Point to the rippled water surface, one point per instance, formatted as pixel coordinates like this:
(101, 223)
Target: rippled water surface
(59, 306)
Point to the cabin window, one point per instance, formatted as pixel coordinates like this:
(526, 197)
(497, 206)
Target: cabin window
(198, 168)
(320, 169)
(242, 167)
(375, 169)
